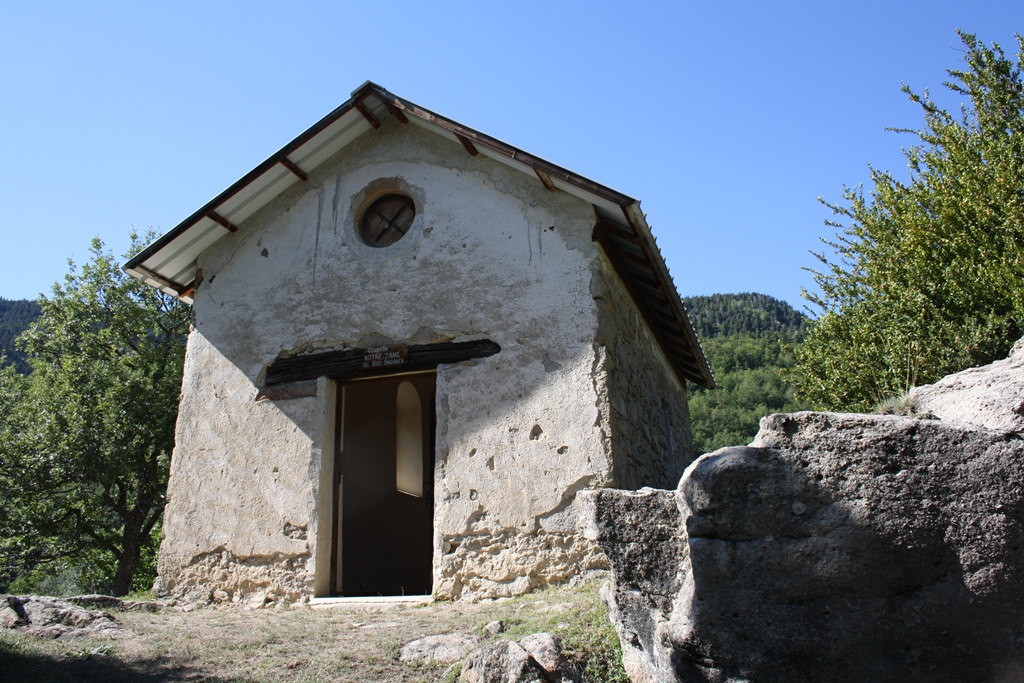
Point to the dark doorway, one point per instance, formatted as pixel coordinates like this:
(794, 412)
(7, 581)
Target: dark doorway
(384, 498)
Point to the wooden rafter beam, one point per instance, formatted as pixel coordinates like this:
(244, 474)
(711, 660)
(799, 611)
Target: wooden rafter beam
(696, 354)
(190, 288)
(220, 220)
(294, 168)
(367, 114)
(544, 178)
(665, 328)
(655, 293)
(157, 277)
(643, 276)
(689, 367)
(396, 112)
(468, 144)
(616, 231)
(632, 258)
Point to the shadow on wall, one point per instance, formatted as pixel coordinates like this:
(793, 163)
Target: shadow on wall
(817, 582)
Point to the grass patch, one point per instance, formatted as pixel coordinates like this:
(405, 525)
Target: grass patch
(345, 644)
(579, 617)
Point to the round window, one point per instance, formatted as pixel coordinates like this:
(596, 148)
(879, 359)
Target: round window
(387, 220)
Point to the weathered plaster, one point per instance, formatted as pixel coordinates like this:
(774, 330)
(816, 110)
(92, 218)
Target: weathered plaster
(579, 397)
(238, 514)
(491, 254)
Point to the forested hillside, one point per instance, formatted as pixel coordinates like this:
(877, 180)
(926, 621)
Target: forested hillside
(750, 314)
(15, 317)
(748, 339)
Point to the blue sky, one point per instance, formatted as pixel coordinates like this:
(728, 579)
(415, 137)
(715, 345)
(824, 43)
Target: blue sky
(727, 119)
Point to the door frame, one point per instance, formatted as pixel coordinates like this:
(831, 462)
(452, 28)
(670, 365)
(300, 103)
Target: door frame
(337, 547)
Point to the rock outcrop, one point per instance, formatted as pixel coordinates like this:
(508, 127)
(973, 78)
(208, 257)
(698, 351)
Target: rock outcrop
(52, 617)
(836, 547)
(991, 396)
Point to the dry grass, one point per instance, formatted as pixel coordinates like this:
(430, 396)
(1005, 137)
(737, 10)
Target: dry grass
(343, 644)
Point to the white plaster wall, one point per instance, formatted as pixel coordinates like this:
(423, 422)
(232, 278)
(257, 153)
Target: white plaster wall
(240, 504)
(491, 254)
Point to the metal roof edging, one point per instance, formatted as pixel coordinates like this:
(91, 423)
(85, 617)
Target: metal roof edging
(496, 145)
(395, 105)
(638, 221)
(241, 183)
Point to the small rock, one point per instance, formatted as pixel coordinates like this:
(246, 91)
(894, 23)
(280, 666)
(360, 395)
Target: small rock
(97, 601)
(257, 600)
(9, 618)
(494, 628)
(546, 650)
(221, 596)
(141, 606)
(501, 662)
(446, 647)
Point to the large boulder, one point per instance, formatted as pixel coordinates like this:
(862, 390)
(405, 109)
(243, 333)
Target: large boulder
(641, 533)
(991, 396)
(836, 547)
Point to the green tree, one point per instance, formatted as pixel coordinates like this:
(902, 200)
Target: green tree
(750, 385)
(747, 339)
(749, 313)
(927, 276)
(15, 317)
(85, 439)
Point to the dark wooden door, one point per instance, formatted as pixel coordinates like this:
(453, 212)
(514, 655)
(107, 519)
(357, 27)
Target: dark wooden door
(384, 539)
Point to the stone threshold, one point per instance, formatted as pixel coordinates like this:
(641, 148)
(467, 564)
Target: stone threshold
(357, 601)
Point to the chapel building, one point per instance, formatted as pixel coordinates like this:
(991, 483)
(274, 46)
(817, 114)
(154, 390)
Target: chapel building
(413, 345)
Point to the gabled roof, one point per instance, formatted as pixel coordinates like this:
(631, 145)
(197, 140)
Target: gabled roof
(169, 264)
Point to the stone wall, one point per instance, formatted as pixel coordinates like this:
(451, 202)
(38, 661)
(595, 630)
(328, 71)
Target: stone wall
(491, 254)
(648, 420)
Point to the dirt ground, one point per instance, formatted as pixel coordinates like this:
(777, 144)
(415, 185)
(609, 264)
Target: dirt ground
(342, 644)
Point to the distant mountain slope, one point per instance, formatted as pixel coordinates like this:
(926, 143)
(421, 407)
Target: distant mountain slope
(746, 339)
(750, 314)
(15, 317)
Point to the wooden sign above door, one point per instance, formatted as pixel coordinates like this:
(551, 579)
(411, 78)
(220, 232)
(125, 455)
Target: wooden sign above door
(375, 360)
(385, 356)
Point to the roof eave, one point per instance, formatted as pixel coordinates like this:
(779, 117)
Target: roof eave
(207, 225)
